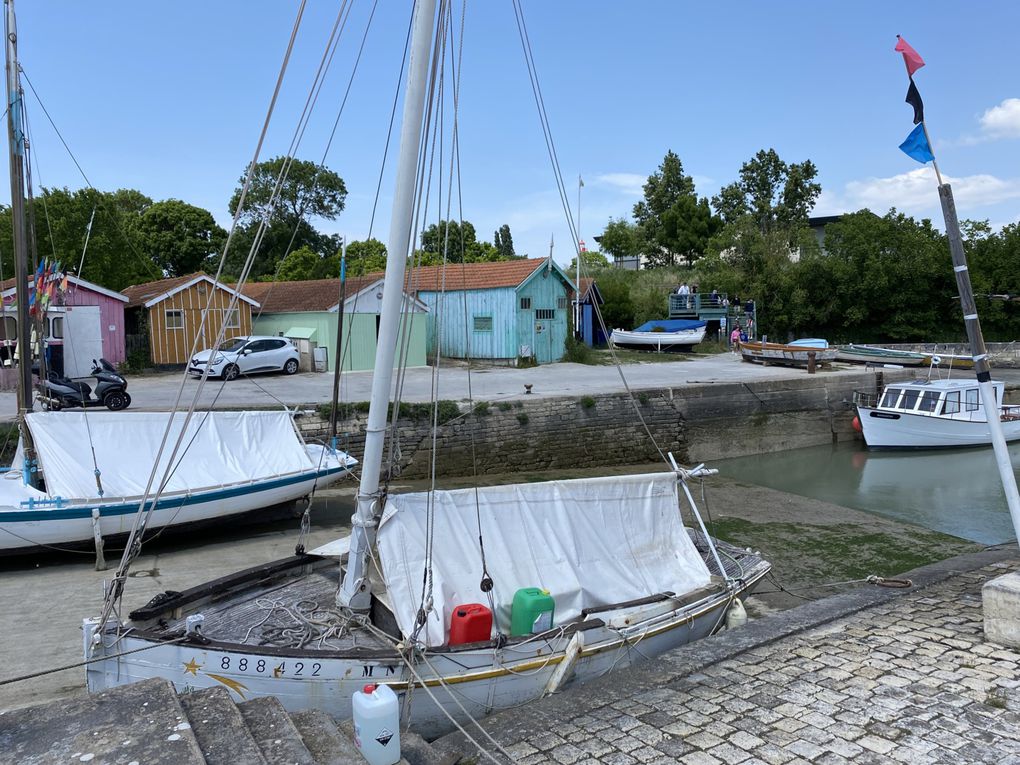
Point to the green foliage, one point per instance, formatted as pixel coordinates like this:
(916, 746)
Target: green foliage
(587, 402)
(618, 309)
(526, 362)
(577, 352)
(591, 263)
(522, 418)
(417, 412)
(505, 406)
(621, 239)
(775, 195)
(308, 191)
(179, 238)
(303, 263)
(643, 398)
(504, 243)
(137, 361)
(674, 225)
(482, 409)
(366, 257)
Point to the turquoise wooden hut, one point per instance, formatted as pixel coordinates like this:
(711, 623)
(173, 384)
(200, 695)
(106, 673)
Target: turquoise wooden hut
(500, 311)
(307, 313)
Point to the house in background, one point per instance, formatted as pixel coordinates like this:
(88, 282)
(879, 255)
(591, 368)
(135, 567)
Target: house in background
(83, 322)
(307, 312)
(499, 311)
(166, 316)
(586, 318)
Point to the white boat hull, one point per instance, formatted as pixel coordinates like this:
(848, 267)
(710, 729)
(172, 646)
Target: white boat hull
(884, 429)
(657, 341)
(314, 679)
(26, 526)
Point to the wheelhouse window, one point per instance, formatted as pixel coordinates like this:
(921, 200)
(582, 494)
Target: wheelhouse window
(232, 318)
(889, 399)
(57, 327)
(971, 400)
(545, 313)
(483, 324)
(174, 319)
(909, 400)
(952, 403)
(929, 400)
(525, 304)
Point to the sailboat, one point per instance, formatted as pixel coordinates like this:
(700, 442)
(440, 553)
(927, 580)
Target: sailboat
(81, 478)
(463, 602)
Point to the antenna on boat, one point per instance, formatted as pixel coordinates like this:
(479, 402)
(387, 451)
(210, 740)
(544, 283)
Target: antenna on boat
(355, 591)
(16, 141)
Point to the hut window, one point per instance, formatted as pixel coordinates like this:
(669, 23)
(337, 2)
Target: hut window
(232, 318)
(561, 303)
(525, 303)
(174, 319)
(483, 324)
(57, 327)
(545, 313)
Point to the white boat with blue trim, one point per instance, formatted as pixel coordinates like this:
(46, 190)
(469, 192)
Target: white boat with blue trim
(92, 471)
(932, 414)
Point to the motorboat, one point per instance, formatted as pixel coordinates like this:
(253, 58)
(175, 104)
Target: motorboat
(930, 414)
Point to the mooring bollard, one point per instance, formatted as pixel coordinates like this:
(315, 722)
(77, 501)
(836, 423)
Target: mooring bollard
(810, 362)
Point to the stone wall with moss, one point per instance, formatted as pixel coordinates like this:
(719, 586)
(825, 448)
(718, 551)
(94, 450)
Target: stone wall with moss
(696, 422)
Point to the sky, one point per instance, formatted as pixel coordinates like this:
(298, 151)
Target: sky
(170, 98)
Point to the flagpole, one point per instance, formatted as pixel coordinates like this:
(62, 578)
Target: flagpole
(975, 337)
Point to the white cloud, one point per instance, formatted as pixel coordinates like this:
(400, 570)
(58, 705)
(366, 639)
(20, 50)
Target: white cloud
(917, 192)
(1002, 121)
(631, 184)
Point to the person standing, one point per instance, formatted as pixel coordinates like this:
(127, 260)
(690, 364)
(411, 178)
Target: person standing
(735, 339)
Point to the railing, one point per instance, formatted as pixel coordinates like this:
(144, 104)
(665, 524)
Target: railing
(865, 398)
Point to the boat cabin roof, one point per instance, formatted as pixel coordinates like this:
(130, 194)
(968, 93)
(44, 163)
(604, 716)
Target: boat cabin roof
(940, 385)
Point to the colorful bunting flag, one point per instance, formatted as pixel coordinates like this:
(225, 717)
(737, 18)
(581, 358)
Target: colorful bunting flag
(916, 146)
(914, 99)
(911, 57)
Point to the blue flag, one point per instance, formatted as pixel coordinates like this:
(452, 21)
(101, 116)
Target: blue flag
(916, 146)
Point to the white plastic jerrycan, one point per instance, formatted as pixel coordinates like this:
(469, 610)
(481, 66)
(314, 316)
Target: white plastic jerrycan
(377, 724)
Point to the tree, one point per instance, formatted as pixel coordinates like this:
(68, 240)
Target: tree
(301, 264)
(457, 241)
(620, 239)
(504, 243)
(178, 237)
(590, 262)
(673, 223)
(308, 191)
(366, 257)
(776, 195)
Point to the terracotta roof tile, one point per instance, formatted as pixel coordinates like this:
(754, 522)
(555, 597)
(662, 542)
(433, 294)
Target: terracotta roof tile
(472, 276)
(139, 294)
(307, 295)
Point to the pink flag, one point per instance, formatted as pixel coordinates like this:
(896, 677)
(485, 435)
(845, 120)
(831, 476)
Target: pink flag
(910, 56)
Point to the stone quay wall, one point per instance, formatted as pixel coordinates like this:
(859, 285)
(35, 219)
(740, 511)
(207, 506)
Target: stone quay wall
(696, 423)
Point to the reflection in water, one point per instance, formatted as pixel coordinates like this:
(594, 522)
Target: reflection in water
(956, 492)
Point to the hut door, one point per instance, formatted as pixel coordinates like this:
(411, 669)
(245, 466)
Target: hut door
(83, 339)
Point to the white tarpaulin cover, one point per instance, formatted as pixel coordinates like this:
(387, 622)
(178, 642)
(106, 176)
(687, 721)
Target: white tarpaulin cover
(590, 542)
(218, 448)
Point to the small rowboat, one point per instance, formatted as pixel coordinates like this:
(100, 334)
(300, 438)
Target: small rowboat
(868, 354)
(666, 335)
(793, 354)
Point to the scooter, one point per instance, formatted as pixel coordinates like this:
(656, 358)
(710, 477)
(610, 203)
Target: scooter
(57, 392)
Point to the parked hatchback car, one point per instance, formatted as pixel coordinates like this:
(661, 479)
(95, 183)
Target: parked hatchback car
(245, 356)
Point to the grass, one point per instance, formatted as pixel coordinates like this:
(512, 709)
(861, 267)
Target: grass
(587, 402)
(603, 357)
(447, 410)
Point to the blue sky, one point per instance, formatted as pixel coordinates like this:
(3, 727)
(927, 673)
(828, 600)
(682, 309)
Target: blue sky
(169, 98)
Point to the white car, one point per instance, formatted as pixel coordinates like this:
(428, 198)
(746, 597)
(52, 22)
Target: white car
(247, 355)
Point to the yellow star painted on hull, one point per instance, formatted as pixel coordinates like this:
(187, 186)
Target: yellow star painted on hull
(192, 667)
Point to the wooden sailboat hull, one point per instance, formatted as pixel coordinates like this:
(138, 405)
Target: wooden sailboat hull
(480, 677)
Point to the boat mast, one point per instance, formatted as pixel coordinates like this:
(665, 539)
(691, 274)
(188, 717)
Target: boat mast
(16, 141)
(339, 357)
(355, 591)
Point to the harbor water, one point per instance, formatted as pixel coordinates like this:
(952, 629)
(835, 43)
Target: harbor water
(954, 491)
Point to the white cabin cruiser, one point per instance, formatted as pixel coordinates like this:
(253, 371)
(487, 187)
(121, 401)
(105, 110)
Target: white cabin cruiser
(928, 414)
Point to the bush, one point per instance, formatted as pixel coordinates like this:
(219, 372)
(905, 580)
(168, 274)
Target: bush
(505, 406)
(482, 409)
(526, 362)
(577, 352)
(522, 418)
(587, 402)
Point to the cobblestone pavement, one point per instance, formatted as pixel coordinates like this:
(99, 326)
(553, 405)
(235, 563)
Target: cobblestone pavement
(909, 680)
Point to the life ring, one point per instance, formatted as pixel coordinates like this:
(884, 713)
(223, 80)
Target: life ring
(936, 359)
